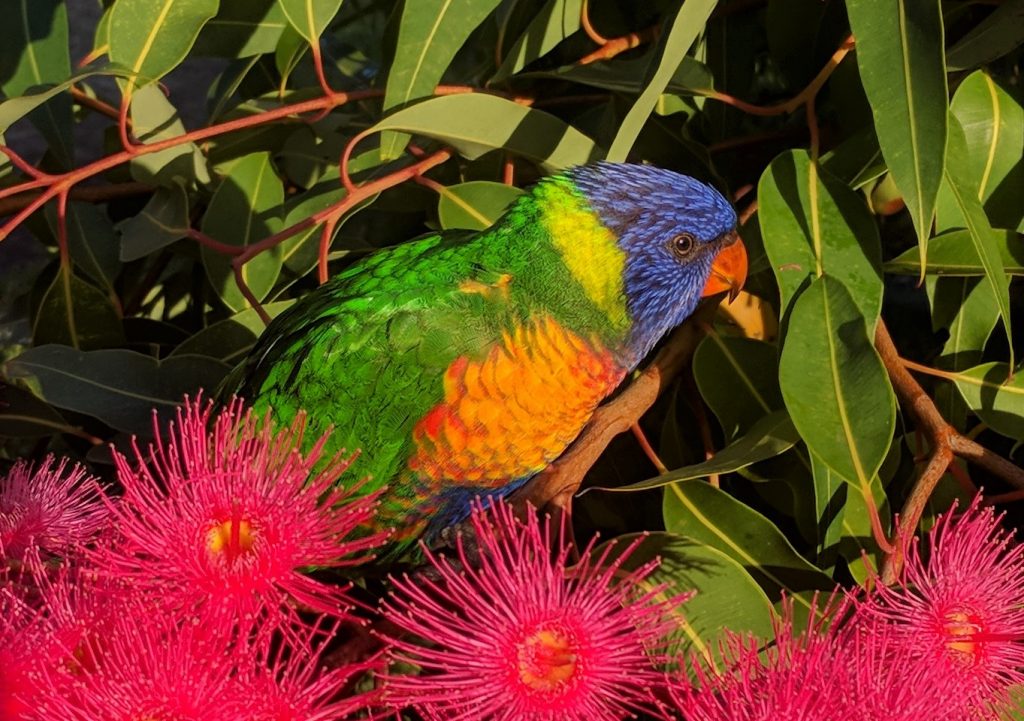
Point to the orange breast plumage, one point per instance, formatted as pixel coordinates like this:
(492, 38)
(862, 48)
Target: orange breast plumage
(508, 415)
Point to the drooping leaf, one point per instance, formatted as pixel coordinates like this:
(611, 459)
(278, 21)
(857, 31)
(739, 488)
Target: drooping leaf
(772, 435)
(711, 516)
(993, 37)
(22, 415)
(155, 119)
(986, 240)
(474, 123)
(430, 33)
(834, 384)
(245, 208)
(954, 253)
(738, 379)
(813, 224)
(92, 242)
(34, 52)
(993, 124)
(242, 28)
(556, 21)
(672, 48)
(151, 37)
(77, 314)
(310, 17)
(230, 339)
(726, 597)
(903, 71)
(122, 388)
(14, 109)
(161, 222)
(474, 205)
(995, 396)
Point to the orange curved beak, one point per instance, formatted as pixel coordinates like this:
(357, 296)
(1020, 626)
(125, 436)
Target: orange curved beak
(728, 270)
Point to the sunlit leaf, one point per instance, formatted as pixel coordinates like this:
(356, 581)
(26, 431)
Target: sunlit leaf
(900, 56)
(474, 205)
(429, 35)
(245, 208)
(310, 17)
(995, 396)
(685, 27)
(475, 123)
(834, 384)
(556, 21)
(151, 37)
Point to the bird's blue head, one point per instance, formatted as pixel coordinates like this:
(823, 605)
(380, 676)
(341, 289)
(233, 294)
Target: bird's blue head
(678, 236)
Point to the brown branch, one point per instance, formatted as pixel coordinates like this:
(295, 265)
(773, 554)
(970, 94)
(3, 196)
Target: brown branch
(946, 443)
(562, 479)
(614, 46)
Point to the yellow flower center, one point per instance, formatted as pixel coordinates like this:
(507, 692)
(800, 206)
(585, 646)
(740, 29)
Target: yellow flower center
(547, 659)
(961, 627)
(233, 537)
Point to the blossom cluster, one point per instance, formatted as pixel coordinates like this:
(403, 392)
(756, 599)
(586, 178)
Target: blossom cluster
(212, 580)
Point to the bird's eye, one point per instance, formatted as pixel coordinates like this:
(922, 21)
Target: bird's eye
(682, 245)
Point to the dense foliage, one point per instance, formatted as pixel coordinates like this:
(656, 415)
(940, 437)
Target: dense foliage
(874, 150)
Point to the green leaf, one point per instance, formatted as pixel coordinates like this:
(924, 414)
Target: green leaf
(834, 383)
(155, 119)
(122, 388)
(230, 339)
(726, 598)
(672, 48)
(245, 208)
(954, 253)
(900, 57)
(92, 242)
(692, 77)
(33, 52)
(75, 313)
(475, 123)
(151, 37)
(556, 21)
(995, 396)
(857, 161)
(242, 28)
(772, 435)
(738, 379)
(474, 205)
(986, 240)
(813, 224)
(995, 36)
(161, 222)
(711, 516)
(14, 109)
(993, 124)
(430, 33)
(310, 17)
(22, 415)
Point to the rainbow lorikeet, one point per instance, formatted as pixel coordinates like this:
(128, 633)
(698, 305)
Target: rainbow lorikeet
(462, 364)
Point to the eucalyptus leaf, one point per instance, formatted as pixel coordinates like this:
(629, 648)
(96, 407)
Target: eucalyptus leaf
(155, 119)
(34, 52)
(474, 205)
(92, 242)
(834, 384)
(475, 123)
(996, 396)
(812, 224)
(711, 516)
(310, 17)
(245, 208)
(151, 37)
(429, 34)
(954, 253)
(738, 379)
(672, 48)
(77, 314)
(162, 221)
(903, 71)
(770, 436)
(242, 28)
(556, 21)
(122, 388)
